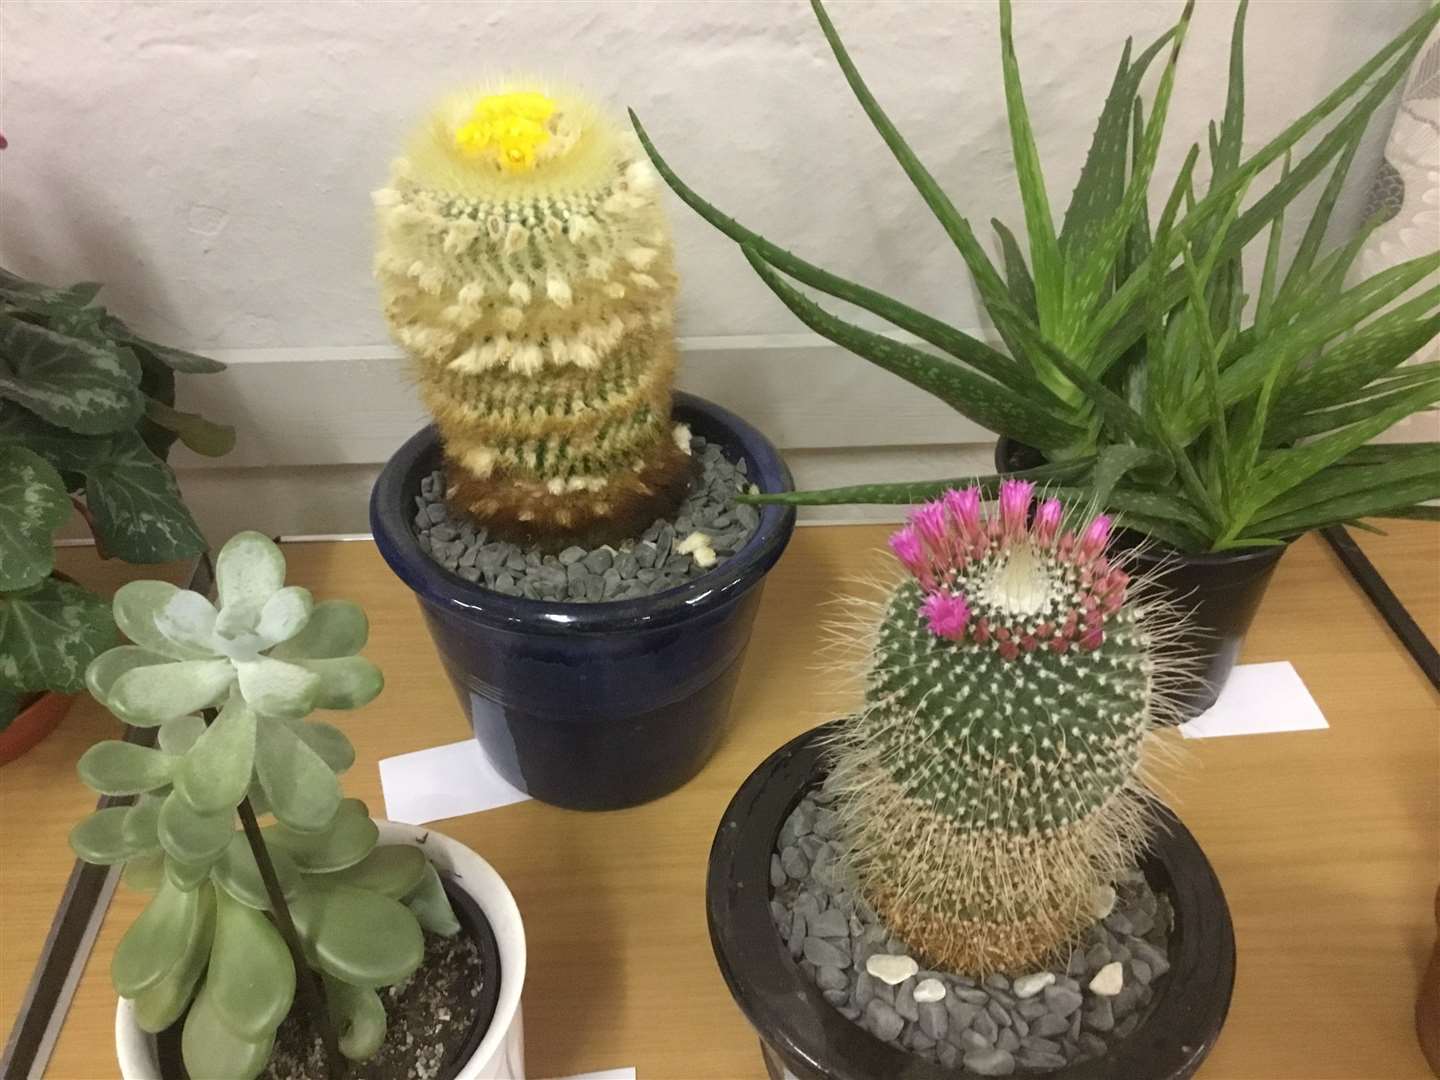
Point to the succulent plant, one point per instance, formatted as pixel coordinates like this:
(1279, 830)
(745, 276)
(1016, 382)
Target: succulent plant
(992, 781)
(87, 417)
(211, 945)
(526, 267)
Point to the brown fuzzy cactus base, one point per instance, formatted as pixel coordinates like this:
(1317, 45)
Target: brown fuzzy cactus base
(524, 511)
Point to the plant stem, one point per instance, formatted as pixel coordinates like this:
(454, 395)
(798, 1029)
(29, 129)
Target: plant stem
(307, 982)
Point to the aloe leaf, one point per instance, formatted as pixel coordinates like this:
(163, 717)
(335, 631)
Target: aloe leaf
(431, 906)
(336, 628)
(211, 1049)
(251, 981)
(238, 875)
(917, 490)
(165, 1002)
(1295, 428)
(215, 773)
(137, 607)
(1232, 129)
(987, 403)
(1410, 513)
(1304, 257)
(1114, 461)
(1379, 501)
(1017, 274)
(148, 696)
(1376, 348)
(100, 837)
(190, 837)
(359, 1017)
(113, 767)
(33, 504)
(302, 790)
(359, 937)
(348, 839)
(155, 942)
(249, 570)
(1342, 481)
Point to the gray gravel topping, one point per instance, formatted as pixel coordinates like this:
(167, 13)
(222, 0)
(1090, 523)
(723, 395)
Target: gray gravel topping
(659, 559)
(1041, 1021)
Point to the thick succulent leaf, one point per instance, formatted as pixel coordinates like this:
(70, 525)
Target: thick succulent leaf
(1017, 274)
(431, 907)
(394, 870)
(238, 875)
(251, 981)
(137, 507)
(192, 838)
(332, 744)
(143, 873)
(275, 688)
(346, 683)
(359, 937)
(179, 735)
(49, 634)
(141, 826)
(187, 620)
(147, 696)
(303, 791)
(199, 434)
(114, 767)
(336, 628)
(100, 838)
(249, 569)
(137, 607)
(215, 773)
(156, 940)
(348, 839)
(285, 614)
(66, 381)
(33, 504)
(165, 1002)
(102, 672)
(185, 875)
(212, 1050)
(359, 1017)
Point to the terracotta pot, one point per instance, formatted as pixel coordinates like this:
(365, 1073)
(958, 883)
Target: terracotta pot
(1427, 1007)
(33, 723)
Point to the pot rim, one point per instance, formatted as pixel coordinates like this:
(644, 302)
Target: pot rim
(390, 521)
(791, 1016)
(467, 869)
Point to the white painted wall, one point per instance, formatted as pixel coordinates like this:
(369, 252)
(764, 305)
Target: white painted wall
(211, 161)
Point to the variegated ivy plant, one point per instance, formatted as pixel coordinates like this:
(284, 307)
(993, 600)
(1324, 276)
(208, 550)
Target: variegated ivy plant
(87, 417)
(211, 945)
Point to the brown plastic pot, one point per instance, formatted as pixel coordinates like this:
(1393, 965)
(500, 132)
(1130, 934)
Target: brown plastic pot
(34, 721)
(1427, 1006)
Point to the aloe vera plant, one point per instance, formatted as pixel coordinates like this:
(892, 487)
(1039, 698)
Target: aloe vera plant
(1129, 358)
(87, 417)
(243, 920)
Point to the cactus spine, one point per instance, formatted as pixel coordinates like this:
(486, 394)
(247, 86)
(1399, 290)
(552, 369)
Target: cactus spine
(526, 267)
(991, 782)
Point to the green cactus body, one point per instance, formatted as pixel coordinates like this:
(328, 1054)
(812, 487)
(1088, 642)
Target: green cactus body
(991, 783)
(526, 266)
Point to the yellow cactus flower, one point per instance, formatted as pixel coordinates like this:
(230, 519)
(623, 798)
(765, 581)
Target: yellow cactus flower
(512, 126)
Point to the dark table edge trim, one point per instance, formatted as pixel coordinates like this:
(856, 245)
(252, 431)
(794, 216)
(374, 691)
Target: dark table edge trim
(1395, 614)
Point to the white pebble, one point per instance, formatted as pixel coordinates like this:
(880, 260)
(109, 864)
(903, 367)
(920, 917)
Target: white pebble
(705, 557)
(930, 990)
(1027, 986)
(891, 970)
(692, 543)
(1102, 901)
(1109, 980)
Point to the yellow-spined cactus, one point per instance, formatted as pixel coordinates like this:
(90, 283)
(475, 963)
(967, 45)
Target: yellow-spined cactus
(527, 268)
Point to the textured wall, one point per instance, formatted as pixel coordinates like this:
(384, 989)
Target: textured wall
(212, 161)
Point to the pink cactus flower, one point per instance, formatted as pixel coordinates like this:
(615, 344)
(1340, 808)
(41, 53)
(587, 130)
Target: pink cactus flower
(1015, 496)
(928, 520)
(1047, 522)
(906, 545)
(964, 507)
(1095, 537)
(947, 614)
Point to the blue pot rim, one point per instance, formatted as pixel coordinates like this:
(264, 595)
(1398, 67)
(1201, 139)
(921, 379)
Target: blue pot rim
(392, 514)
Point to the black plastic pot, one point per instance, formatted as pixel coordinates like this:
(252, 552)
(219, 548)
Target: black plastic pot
(801, 1032)
(593, 706)
(1220, 591)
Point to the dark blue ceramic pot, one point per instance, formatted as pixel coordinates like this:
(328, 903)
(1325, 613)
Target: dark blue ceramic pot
(593, 706)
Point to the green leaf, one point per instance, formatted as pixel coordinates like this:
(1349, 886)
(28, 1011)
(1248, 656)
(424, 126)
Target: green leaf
(114, 767)
(917, 490)
(155, 942)
(394, 870)
(346, 683)
(1114, 462)
(176, 359)
(200, 435)
(1378, 347)
(303, 793)
(101, 673)
(359, 1017)
(1341, 480)
(349, 837)
(336, 628)
(188, 620)
(137, 507)
(147, 696)
(252, 978)
(179, 735)
(137, 607)
(143, 872)
(328, 741)
(285, 614)
(165, 1002)
(185, 875)
(211, 1049)
(238, 875)
(431, 907)
(192, 838)
(249, 570)
(66, 381)
(359, 937)
(100, 837)
(275, 688)
(215, 774)
(33, 504)
(1017, 274)
(141, 826)
(49, 633)
(1390, 500)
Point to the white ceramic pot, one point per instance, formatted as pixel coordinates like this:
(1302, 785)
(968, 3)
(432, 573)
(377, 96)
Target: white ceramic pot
(501, 1054)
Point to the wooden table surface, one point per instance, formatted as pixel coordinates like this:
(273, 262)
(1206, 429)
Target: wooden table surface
(1327, 842)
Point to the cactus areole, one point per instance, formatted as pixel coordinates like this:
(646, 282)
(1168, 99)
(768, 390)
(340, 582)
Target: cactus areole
(991, 782)
(526, 267)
